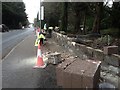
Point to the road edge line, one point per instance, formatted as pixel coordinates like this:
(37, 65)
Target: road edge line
(14, 48)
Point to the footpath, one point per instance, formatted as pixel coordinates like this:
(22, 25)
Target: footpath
(17, 67)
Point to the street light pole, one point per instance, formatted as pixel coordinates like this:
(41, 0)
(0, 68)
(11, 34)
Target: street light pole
(40, 14)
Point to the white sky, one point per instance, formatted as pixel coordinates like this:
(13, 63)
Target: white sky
(32, 8)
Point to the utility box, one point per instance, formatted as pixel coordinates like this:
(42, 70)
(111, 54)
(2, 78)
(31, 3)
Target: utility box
(60, 70)
(108, 50)
(82, 74)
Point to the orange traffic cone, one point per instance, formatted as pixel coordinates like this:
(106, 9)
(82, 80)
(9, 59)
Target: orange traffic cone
(40, 63)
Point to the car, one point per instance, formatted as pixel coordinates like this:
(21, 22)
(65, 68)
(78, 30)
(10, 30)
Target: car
(4, 28)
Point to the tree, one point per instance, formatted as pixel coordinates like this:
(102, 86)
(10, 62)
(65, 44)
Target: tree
(35, 22)
(79, 10)
(37, 16)
(13, 13)
(115, 15)
(97, 20)
(52, 13)
(64, 16)
(0, 13)
(93, 17)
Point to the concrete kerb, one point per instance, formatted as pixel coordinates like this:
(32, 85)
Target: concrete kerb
(14, 48)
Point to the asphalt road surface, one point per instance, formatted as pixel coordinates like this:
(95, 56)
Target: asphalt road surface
(11, 39)
(18, 71)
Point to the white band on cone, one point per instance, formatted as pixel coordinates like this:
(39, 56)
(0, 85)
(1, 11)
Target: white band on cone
(39, 53)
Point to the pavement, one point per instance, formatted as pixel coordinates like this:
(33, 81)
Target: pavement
(17, 66)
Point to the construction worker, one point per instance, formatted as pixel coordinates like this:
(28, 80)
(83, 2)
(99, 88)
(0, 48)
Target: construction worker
(41, 38)
(43, 32)
(50, 31)
(45, 27)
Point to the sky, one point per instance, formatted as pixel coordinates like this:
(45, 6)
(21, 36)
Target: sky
(32, 8)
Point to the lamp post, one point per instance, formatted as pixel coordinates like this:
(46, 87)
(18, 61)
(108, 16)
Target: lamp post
(40, 14)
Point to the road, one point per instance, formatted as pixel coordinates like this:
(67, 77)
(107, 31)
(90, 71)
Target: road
(17, 67)
(11, 39)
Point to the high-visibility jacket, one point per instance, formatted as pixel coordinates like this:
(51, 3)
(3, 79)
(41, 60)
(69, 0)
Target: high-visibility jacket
(38, 39)
(41, 36)
(36, 42)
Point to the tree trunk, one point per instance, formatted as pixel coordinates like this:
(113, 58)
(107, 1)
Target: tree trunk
(84, 22)
(77, 22)
(64, 17)
(96, 24)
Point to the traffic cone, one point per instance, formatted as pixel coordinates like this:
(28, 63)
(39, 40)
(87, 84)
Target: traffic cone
(40, 63)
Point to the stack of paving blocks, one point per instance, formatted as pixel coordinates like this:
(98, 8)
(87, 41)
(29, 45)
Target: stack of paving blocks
(74, 73)
(53, 58)
(108, 50)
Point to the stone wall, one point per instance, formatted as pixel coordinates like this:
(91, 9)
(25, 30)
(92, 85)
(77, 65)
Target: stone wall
(110, 67)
